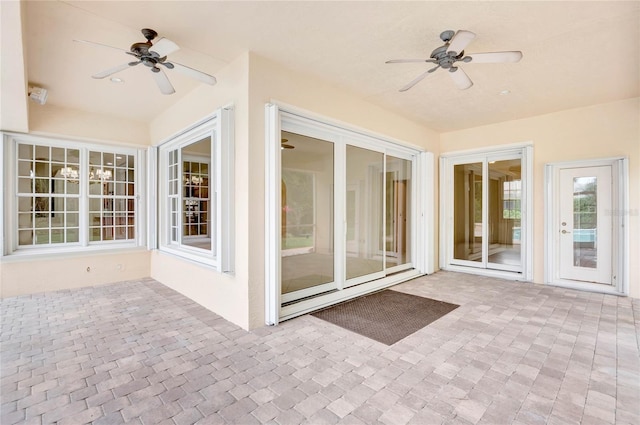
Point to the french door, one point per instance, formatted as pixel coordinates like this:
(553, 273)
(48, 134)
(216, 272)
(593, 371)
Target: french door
(485, 206)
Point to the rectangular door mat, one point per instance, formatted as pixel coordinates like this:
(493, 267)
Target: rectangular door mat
(386, 316)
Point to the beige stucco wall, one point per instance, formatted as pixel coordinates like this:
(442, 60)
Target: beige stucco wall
(20, 275)
(599, 131)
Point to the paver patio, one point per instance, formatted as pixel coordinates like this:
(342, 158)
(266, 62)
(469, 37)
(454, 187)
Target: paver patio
(139, 352)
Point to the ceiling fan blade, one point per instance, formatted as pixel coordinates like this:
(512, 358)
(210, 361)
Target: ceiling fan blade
(496, 57)
(415, 81)
(410, 60)
(111, 71)
(93, 43)
(164, 47)
(459, 41)
(163, 82)
(194, 73)
(460, 79)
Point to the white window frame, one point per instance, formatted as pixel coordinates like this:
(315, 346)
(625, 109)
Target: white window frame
(447, 162)
(219, 126)
(9, 202)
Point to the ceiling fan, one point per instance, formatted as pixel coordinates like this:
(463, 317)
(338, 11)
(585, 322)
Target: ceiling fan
(285, 145)
(152, 54)
(451, 52)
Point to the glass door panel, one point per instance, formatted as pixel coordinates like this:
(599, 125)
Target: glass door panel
(396, 241)
(467, 210)
(364, 177)
(504, 211)
(307, 251)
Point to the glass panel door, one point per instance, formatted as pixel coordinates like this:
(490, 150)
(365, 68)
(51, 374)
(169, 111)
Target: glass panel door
(396, 241)
(487, 213)
(364, 176)
(467, 209)
(505, 218)
(307, 249)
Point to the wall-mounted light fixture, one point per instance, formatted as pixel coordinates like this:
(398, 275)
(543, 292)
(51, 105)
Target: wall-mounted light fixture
(38, 94)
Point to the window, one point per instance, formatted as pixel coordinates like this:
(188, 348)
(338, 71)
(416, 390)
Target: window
(69, 195)
(196, 193)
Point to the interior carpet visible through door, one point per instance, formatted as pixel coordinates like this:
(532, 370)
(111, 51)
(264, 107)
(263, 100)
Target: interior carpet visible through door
(387, 316)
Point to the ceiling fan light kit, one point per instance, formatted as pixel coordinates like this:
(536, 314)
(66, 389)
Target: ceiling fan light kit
(152, 54)
(447, 55)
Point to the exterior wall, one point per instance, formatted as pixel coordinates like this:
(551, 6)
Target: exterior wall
(225, 294)
(599, 131)
(52, 120)
(28, 275)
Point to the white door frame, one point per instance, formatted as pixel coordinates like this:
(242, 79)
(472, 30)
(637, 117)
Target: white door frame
(620, 236)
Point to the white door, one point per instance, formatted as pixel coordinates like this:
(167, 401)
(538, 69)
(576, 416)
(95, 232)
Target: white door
(585, 228)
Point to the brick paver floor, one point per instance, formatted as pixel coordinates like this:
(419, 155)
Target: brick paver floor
(138, 352)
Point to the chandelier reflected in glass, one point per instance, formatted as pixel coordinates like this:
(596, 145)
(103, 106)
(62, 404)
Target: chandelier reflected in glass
(100, 174)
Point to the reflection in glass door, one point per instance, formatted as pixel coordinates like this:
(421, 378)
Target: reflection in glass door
(487, 214)
(363, 173)
(307, 252)
(396, 240)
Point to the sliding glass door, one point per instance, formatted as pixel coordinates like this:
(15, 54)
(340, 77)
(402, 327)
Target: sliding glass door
(346, 214)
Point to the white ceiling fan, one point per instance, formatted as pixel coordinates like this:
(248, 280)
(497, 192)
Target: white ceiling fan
(453, 51)
(152, 54)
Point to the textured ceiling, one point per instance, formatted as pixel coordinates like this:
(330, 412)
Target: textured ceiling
(575, 53)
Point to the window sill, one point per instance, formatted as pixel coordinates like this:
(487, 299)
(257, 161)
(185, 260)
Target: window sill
(46, 254)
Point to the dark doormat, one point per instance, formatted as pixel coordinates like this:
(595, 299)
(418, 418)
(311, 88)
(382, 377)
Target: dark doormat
(387, 316)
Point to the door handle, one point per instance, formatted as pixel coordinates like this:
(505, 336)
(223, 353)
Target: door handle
(564, 231)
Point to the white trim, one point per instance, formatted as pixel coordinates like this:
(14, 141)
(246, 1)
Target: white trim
(518, 146)
(306, 306)
(225, 188)
(272, 216)
(343, 127)
(152, 198)
(620, 232)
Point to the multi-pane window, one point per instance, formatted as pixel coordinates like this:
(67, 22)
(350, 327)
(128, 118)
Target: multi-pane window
(68, 194)
(196, 192)
(112, 209)
(48, 195)
(189, 194)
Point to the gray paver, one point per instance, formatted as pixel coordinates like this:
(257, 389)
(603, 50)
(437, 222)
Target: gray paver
(138, 352)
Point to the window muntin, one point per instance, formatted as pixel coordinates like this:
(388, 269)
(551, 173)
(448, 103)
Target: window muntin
(57, 193)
